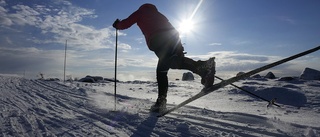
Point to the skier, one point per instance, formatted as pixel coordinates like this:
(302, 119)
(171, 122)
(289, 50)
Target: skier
(163, 39)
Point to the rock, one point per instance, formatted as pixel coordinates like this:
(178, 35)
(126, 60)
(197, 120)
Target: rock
(187, 76)
(240, 73)
(87, 79)
(91, 79)
(52, 79)
(286, 78)
(110, 80)
(256, 76)
(96, 78)
(310, 74)
(270, 75)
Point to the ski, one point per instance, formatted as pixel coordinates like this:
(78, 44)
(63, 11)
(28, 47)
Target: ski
(224, 83)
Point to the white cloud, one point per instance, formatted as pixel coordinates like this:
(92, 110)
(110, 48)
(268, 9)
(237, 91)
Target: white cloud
(124, 47)
(30, 59)
(62, 2)
(4, 20)
(215, 44)
(231, 62)
(59, 23)
(2, 3)
(50, 62)
(242, 42)
(8, 40)
(56, 22)
(140, 40)
(287, 20)
(24, 16)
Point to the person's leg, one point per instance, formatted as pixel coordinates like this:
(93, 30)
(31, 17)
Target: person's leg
(162, 47)
(205, 69)
(189, 64)
(162, 80)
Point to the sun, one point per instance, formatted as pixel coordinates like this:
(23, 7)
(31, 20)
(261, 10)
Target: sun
(186, 26)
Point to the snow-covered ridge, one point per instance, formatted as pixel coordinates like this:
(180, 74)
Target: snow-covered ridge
(49, 108)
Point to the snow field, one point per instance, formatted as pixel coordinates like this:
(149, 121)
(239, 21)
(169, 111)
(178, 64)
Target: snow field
(48, 108)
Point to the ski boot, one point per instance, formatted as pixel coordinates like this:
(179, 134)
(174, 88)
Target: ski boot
(207, 71)
(159, 106)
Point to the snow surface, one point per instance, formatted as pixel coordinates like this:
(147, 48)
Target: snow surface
(48, 108)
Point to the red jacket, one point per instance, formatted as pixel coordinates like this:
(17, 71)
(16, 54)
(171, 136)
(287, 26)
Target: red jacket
(149, 20)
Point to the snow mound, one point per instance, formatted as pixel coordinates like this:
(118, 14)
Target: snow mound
(310, 74)
(284, 96)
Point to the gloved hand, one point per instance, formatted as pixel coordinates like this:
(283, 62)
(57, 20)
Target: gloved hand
(115, 23)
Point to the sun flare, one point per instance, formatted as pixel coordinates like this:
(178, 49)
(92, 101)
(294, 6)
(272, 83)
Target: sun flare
(186, 26)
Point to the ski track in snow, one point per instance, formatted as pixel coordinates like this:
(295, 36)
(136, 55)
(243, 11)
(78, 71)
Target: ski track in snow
(47, 108)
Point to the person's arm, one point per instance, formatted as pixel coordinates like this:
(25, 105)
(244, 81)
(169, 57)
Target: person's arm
(128, 22)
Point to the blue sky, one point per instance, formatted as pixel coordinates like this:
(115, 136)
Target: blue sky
(242, 35)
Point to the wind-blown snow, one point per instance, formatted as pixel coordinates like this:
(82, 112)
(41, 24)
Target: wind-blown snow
(48, 108)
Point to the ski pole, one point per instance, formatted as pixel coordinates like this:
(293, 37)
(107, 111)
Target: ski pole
(271, 102)
(115, 72)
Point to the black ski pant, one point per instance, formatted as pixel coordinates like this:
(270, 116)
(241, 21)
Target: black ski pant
(170, 54)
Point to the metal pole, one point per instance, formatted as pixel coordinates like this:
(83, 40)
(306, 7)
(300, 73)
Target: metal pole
(115, 72)
(65, 63)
